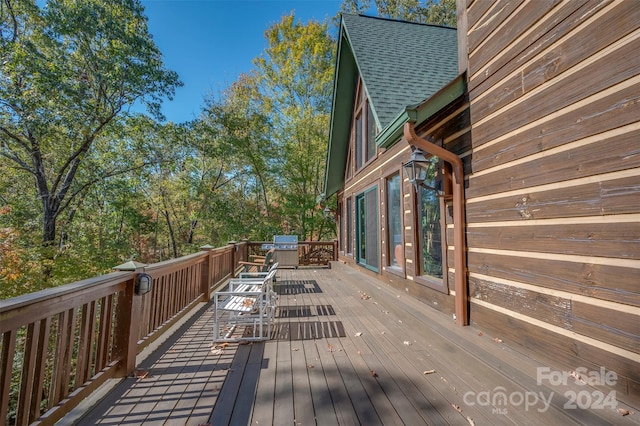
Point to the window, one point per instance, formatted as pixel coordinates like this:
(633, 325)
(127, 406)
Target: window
(367, 235)
(359, 153)
(349, 226)
(394, 222)
(371, 134)
(430, 230)
(431, 246)
(341, 230)
(364, 128)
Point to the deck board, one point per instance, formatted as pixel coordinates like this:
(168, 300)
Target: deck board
(321, 396)
(303, 401)
(334, 329)
(265, 392)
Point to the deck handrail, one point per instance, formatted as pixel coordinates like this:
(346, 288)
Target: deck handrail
(317, 253)
(60, 344)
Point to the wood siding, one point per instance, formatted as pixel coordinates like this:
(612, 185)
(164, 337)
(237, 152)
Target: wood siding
(553, 189)
(450, 127)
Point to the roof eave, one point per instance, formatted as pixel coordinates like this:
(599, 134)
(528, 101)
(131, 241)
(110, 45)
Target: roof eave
(393, 131)
(422, 111)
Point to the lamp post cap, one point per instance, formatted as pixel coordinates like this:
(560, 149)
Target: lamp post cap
(129, 266)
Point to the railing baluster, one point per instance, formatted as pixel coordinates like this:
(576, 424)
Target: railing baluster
(70, 330)
(40, 367)
(6, 363)
(55, 391)
(88, 339)
(28, 370)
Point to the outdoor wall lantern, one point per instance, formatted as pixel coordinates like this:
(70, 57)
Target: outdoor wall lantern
(417, 168)
(143, 284)
(327, 212)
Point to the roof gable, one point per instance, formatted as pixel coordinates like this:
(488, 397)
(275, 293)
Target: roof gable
(400, 63)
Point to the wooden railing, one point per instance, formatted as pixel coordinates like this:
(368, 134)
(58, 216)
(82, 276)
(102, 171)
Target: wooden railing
(61, 344)
(310, 253)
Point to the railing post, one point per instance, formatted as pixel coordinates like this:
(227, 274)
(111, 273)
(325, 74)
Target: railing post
(127, 324)
(206, 274)
(335, 250)
(234, 250)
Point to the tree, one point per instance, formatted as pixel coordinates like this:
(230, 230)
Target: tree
(243, 131)
(295, 78)
(439, 12)
(69, 69)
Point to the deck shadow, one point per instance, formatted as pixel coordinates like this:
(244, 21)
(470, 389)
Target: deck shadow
(304, 311)
(234, 405)
(290, 287)
(308, 330)
(120, 394)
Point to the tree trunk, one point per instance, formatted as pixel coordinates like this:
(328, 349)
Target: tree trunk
(169, 224)
(49, 227)
(192, 229)
(171, 233)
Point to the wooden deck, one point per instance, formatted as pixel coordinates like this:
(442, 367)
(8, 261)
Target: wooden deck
(346, 350)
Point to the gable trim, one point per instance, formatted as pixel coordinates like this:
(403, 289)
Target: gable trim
(422, 112)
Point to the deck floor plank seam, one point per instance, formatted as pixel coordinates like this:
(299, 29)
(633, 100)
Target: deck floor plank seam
(357, 349)
(265, 390)
(360, 399)
(488, 360)
(398, 344)
(335, 329)
(478, 370)
(382, 361)
(226, 401)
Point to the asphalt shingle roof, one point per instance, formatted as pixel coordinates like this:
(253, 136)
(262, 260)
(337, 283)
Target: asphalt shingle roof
(401, 63)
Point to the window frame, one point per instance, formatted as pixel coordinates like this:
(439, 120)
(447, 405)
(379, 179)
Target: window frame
(439, 284)
(349, 226)
(364, 217)
(391, 244)
(363, 129)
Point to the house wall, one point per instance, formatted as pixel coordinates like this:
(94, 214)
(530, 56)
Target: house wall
(553, 190)
(451, 127)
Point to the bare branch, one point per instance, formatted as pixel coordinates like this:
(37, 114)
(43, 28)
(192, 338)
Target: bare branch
(14, 20)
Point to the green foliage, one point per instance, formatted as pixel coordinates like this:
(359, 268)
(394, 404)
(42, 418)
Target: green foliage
(439, 12)
(296, 76)
(118, 187)
(68, 70)
(273, 123)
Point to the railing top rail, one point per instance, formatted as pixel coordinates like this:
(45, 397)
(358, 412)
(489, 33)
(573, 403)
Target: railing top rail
(88, 284)
(91, 330)
(201, 255)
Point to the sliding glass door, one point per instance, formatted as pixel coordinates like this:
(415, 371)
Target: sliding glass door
(367, 234)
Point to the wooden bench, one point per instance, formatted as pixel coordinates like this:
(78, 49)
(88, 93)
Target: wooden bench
(249, 301)
(259, 274)
(259, 263)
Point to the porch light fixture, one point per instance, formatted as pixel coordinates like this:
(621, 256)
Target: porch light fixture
(417, 168)
(143, 284)
(327, 212)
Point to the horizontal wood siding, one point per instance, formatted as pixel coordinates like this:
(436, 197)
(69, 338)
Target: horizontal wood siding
(558, 272)
(558, 349)
(553, 180)
(577, 198)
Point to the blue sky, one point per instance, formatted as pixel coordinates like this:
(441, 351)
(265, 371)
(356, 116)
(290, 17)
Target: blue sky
(210, 42)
